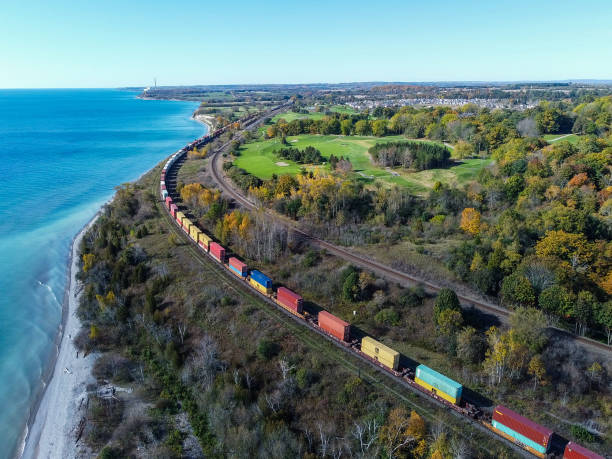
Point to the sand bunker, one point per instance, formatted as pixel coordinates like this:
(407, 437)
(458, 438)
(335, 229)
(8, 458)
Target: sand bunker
(282, 164)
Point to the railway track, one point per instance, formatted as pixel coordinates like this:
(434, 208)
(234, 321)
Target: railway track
(242, 288)
(362, 261)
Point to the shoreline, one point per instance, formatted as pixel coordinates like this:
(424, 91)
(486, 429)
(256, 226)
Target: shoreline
(34, 441)
(37, 426)
(206, 120)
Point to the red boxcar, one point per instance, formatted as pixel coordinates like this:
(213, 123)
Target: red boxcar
(237, 266)
(168, 202)
(535, 432)
(173, 210)
(217, 251)
(575, 451)
(334, 326)
(289, 299)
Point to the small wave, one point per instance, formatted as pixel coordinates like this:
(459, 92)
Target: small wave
(48, 287)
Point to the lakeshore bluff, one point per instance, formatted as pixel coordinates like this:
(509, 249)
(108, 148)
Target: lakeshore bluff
(63, 152)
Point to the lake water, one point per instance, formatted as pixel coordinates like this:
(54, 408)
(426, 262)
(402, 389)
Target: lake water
(62, 152)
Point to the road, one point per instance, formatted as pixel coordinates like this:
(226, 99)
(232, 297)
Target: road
(230, 191)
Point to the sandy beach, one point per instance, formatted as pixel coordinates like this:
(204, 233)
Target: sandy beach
(53, 430)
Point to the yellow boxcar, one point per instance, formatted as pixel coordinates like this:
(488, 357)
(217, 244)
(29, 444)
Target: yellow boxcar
(260, 287)
(179, 217)
(380, 352)
(204, 240)
(194, 232)
(186, 224)
(437, 391)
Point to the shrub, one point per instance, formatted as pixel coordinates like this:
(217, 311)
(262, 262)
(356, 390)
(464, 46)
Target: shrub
(387, 316)
(267, 349)
(581, 434)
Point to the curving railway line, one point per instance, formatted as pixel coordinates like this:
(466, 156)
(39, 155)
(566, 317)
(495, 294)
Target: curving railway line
(362, 261)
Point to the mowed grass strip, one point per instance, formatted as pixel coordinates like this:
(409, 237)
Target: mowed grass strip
(552, 138)
(259, 159)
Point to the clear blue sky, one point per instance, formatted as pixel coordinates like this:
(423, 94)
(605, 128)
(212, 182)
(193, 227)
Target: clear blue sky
(109, 43)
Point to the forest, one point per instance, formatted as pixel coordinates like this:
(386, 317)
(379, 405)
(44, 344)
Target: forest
(213, 372)
(410, 154)
(533, 230)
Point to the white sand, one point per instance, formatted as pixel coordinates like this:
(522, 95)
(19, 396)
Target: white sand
(282, 164)
(56, 423)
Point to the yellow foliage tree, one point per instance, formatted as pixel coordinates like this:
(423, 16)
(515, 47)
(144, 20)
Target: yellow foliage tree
(105, 301)
(537, 370)
(572, 249)
(198, 153)
(93, 332)
(196, 195)
(477, 262)
(606, 283)
(400, 431)
(88, 261)
(285, 185)
(470, 221)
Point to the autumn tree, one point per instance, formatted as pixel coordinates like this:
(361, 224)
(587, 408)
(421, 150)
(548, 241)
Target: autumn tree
(449, 321)
(463, 150)
(571, 249)
(470, 221)
(537, 369)
(400, 431)
(88, 261)
(506, 357)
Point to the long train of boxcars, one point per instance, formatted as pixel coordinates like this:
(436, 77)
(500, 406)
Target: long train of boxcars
(503, 421)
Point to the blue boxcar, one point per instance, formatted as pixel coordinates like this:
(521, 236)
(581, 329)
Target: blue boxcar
(261, 279)
(439, 381)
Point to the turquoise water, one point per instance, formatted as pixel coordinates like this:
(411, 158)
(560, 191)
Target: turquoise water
(62, 152)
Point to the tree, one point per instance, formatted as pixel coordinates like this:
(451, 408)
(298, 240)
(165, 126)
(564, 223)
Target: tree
(470, 221)
(463, 150)
(449, 321)
(572, 249)
(447, 299)
(517, 290)
(555, 300)
(507, 355)
(470, 346)
(346, 127)
(583, 310)
(537, 370)
(379, 128)
(529, 325)
(362, 127)
(88, 261)
(350, 287)
(604, 318)
(93, 333)
(398, 431)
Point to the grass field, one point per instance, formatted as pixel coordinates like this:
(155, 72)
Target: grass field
(552, 138)
(290, 116)
(259, 159)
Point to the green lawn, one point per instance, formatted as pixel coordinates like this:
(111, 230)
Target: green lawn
(290, 116)
(344, 109)
(259, 159)
(552, 138)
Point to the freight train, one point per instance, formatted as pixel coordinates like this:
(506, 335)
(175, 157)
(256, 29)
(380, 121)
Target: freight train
(504, 422)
